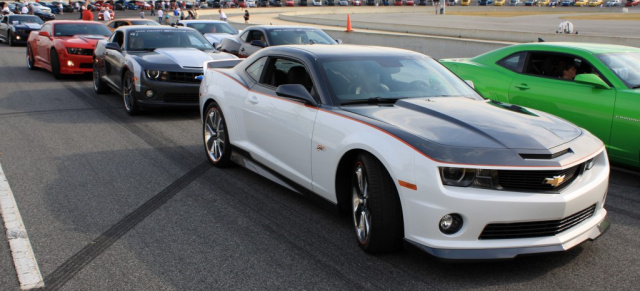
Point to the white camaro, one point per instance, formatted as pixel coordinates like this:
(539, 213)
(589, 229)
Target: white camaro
(410, 150)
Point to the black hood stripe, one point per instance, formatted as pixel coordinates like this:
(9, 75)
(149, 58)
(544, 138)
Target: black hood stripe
(443, 154)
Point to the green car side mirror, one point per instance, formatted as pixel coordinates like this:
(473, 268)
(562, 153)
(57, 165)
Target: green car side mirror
(591, 79)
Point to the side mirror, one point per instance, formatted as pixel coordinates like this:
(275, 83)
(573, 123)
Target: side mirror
(296, 91)
(259, 43)
(470, 83)
(113, 46)
(339, 41)
(43, 33)
(591, 79)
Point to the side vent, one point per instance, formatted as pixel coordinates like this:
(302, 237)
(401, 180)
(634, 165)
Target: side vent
(545, 156)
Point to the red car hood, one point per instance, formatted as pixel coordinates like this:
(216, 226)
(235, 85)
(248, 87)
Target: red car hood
(83, 40)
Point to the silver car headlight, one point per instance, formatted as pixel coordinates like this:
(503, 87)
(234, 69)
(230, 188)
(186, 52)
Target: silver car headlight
(153, 74)
(468, 177)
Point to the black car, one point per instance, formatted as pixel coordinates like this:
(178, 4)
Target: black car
(371, 2)
(15, 28)
(254, 38)
(275, 3)
(302, 3)
(152, 66)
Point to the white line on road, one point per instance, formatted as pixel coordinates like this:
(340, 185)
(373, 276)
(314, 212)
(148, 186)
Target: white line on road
(23, 257)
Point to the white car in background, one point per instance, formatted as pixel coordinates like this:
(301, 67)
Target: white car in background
(251, 3)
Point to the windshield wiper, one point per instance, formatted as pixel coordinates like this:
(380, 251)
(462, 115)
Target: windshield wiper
(374, 100)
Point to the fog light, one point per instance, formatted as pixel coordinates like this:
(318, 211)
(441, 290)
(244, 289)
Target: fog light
(150, 94)
(18, 37)
(70, 64)
(589, 164)
(450, 223)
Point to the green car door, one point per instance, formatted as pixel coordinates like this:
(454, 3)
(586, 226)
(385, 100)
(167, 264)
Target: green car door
(542, 87)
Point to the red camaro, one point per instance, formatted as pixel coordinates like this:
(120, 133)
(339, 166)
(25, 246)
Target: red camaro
(65, 46)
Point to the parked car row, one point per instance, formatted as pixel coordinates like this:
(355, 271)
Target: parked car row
(392, 137)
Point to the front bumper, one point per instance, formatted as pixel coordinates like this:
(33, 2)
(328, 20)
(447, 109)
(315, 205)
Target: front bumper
(167, 94)
(75, 64)
(423, 209)
(509, 253)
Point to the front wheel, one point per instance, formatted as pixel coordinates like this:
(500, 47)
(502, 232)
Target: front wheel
(30, 64)
(55, 64)
(130, 103)
(376, 209)
(98, 85)
(10, 39)
(216, 137)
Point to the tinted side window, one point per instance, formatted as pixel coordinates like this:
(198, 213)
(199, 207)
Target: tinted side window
(255, 69)
(118, 37)
(557, 66)
(285, 71)
(514, 62)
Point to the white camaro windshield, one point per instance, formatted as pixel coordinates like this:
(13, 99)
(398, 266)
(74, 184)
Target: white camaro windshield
(391, 78)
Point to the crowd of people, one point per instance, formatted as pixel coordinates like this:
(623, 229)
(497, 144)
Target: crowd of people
(162, 10)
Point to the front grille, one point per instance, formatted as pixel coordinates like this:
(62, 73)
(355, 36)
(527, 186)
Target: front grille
(183, 77)
(536, 180)
(535, 229)
(181, 97)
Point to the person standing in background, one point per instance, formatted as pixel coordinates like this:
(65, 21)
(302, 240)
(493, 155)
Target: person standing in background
(142, 13)
(106, 16)
(86, 14)
(159, 13)
(246, 16)
(223, 16)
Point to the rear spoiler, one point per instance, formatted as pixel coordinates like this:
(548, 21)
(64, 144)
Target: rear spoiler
(222, 64)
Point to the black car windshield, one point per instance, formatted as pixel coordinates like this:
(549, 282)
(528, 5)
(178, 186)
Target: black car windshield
(625, 65)
(221, 27)
(375, 78)
(299, 36)
(22, 19)
(150, 39)
(71, 29)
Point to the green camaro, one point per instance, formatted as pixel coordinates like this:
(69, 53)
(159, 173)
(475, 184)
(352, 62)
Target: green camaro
(595, 86)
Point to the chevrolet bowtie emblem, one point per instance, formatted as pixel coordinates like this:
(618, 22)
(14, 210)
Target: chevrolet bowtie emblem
(555, 181)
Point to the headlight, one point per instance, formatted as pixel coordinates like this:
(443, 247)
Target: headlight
(152, 74)
(465, 177)
(79, 51)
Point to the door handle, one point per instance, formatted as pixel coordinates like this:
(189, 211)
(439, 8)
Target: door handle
(253, 99)
(242, 49)
(522, 86)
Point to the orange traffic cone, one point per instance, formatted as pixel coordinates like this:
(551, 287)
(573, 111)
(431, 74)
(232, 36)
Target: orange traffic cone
(349, 23)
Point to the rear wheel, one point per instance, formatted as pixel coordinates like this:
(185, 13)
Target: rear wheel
(130, 104)
(98, 85)
(30, 58)
(55, 64)
(216, 137)
(376, 210)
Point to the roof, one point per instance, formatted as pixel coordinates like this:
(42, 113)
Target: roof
(272, 27)
(152, 27)
(202, 21)
(328, 51)
(594, 48)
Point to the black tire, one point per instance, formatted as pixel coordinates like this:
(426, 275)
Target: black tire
(129, 100)
(99, 86)
(10, 39)
(375, 206)
(216, 137)
(30, 63)
(55, 64)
